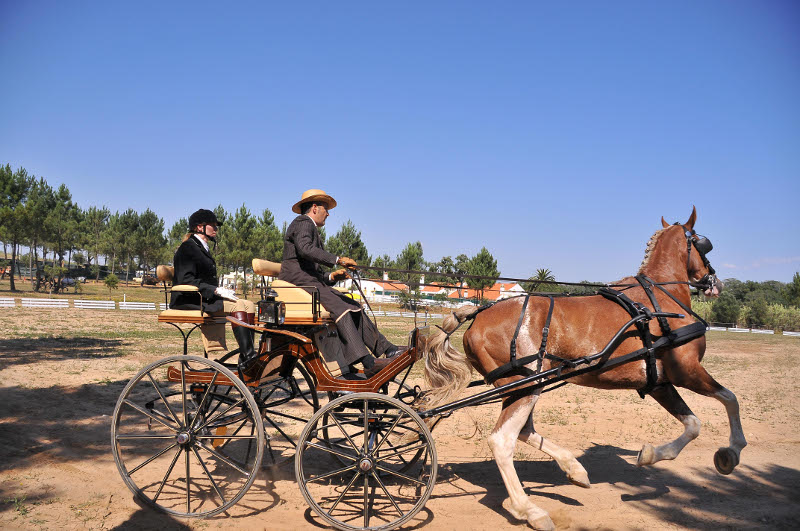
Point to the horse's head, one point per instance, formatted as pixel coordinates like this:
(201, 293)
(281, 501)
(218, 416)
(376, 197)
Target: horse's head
(698, 268)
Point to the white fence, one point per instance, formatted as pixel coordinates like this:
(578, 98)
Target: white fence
(94, 305)
(45, 303)
(137, 305)
(7, 302)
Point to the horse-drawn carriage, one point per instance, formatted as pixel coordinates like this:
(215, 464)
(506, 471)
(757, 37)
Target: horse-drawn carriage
(189, 434)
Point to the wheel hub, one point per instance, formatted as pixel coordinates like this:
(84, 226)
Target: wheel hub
(365, 465)
(184, 437)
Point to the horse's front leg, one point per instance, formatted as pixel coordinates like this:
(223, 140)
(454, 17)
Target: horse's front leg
(668, 397)
(502, 441)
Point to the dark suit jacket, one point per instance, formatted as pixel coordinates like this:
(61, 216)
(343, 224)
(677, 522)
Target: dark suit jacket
(302, 254)
(195, 266)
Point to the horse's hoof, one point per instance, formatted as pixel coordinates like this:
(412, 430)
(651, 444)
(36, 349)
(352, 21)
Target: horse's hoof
(581, 479)
(725, 459)
(647, 455)
(543, 523)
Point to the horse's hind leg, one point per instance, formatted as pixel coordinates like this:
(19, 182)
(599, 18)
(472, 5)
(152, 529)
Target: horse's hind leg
(502, 442)
(725, 459)
(668, 397)
(566, 461)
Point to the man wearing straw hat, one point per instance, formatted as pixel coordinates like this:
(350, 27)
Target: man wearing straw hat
(302, 254)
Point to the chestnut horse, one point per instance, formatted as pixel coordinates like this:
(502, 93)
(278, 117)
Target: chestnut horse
(581, 326)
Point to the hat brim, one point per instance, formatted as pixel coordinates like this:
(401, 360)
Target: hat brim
(331, 202)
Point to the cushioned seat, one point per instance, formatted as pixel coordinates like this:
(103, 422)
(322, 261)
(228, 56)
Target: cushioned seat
(165, 274)
(299, 303)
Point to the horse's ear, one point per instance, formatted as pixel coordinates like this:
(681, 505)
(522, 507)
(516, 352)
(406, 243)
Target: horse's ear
(664, 223)
(690, 224)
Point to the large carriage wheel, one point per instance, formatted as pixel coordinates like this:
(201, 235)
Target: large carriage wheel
(287, 403)
(186, 448)
(352, 464)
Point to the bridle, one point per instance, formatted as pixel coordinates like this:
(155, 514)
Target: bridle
(703, 246)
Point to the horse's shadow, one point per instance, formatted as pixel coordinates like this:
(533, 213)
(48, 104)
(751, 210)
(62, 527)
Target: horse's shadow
(770, 491)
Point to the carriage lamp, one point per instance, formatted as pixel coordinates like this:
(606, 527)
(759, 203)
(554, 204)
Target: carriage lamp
(271, 311)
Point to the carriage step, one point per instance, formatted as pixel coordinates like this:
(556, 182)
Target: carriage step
(202, 377)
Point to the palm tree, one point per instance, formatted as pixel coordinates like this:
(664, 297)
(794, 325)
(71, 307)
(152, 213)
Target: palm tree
(539, 280)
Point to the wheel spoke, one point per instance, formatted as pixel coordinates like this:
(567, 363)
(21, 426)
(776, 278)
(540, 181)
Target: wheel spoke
(388, 432)
(329, 474)
(208, 475)
(149, 415)
(366, 426)
(188, 483)
(152, 458)
(183, 394)
(164, 400)
(203, 400)
(224, 459)
(391, 498)
(166, 476)
(345, 491)
(126, 436)
(209, 421)
(400, 452)
(331, 451)
(400, 475)
(341, 428)
(366, 500)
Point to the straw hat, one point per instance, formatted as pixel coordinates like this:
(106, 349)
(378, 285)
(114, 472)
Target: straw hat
(314, 195)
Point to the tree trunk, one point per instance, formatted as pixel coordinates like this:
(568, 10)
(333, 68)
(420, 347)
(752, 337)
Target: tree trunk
(13, 265)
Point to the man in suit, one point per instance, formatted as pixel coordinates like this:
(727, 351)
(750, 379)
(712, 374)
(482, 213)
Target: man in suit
(303, 253)
(195, 266)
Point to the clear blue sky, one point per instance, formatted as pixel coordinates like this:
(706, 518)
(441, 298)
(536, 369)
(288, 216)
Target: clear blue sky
(556, 134)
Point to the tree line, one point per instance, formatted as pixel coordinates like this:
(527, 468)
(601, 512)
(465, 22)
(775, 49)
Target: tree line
(47, 222)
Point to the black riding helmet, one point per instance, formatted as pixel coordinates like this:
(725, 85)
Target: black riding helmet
(203, 217)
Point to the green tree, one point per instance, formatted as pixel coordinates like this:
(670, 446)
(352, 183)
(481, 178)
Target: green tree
(111, 282)
(793, 291)
(758, 312)
(175, 235)
(41, 200)
(347, 242)
(241, 240)
(14, 189)
(269, 241)
(223, 245)
(443, 271)
(95, 221)
(410, 259)
(482, 264)
(127, 228)
(384, 261)
(726, 309)
(149, 243)
(535, 283)
(62, 224)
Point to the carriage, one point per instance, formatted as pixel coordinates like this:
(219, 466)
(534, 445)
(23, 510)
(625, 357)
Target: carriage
(190, 434)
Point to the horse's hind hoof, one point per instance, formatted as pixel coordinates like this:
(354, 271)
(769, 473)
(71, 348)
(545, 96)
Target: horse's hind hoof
(647, 455)
(725, 459)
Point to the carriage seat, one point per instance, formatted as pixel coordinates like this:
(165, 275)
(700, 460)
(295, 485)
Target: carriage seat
(165, 274)
(298, 301)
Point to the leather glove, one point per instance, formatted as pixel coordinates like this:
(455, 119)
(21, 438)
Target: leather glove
(347, 262)
(339, 274)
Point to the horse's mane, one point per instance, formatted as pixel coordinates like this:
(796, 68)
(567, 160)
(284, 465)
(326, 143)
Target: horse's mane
(648, 252)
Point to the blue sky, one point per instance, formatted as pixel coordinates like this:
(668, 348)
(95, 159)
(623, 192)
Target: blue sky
(555, 134)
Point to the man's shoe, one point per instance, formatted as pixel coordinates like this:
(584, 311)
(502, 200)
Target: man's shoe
(379, 365)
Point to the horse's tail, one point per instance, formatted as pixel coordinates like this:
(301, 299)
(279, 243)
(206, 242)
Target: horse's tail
(447, 371)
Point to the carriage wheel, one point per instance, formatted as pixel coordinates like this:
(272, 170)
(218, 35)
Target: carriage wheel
(287, 403)
(188, 449)
(352, 464)
(393, 389)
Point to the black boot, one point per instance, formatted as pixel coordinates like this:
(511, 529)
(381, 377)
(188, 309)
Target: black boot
(247, 354)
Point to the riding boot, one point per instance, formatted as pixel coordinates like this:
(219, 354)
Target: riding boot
(242, 316)
(247, 353)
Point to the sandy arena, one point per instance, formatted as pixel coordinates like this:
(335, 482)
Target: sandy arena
(62, 371)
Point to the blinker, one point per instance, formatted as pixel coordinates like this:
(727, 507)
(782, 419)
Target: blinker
(703, 244)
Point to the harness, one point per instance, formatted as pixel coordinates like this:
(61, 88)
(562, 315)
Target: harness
(641, 316)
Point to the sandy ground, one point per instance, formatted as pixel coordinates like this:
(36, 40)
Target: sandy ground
(61, 373)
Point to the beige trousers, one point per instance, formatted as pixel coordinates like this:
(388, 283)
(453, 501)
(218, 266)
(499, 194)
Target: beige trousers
(214, 335)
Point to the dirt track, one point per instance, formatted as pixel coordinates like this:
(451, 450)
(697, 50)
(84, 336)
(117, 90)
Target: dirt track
(56, 470)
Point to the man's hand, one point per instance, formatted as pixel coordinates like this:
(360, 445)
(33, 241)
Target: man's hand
(226, 293)
(347, 262)
(339, 274)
